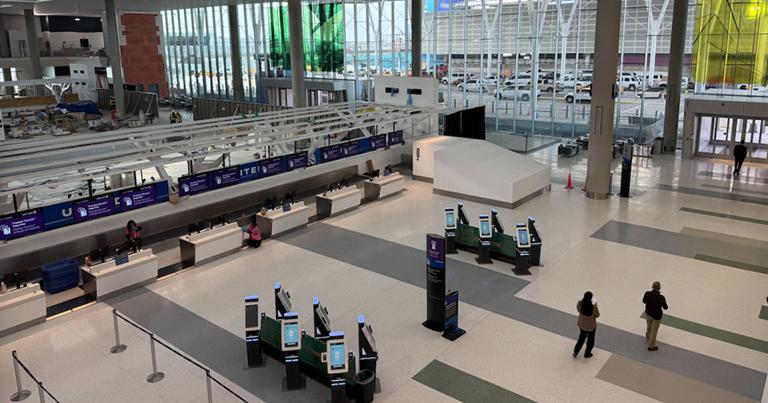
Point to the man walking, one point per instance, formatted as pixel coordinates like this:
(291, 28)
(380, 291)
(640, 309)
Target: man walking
(654, 303)
(739, 155)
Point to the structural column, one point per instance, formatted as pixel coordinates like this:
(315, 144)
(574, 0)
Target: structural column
(33, 50)
(606, 59)
(417, 9)
(297, 53)
(676, 49)
(113, 50)
(234, 51)
(5, 52)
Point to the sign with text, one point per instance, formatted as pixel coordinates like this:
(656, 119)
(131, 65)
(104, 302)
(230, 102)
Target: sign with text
(396, 138)
(330, 153)
(272, 166)
(225, 177)
(296, 161)
(379, 141)
(189, 185)
(21, 224)
(249, 171)
(95, 207)
(137, 197)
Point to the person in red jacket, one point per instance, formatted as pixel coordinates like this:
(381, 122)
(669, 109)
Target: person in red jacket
(254, 234)
(132, 233)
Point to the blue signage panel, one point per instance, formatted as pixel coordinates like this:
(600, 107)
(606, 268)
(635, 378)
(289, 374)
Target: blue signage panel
(350, 149)
(395, 138)
(225, 177)
(95, 207)
(249, 171)
(297, 160)
(436, 251)
(58, 215)
(379, 141)
(189, 185)
(330, 153)
(451, 311)
(21, 224)
(272, 166)
(162, 192)
(137, 197)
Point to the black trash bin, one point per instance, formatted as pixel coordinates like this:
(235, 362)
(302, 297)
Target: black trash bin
(365, 385)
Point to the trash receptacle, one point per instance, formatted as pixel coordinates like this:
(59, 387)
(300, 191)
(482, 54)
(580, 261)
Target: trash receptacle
(657, 145)
(365, 385)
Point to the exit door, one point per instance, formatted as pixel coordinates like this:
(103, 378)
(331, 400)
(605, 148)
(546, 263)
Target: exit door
(717, 135)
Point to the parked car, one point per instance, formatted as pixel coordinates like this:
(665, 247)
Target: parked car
(453, 78)
(471, 85)
(585, 95)
(520, 79)
(520, 92)
(571, 82)
(651, 93)
(628, 83)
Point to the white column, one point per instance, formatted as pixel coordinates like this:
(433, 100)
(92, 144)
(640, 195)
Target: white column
(113, 50)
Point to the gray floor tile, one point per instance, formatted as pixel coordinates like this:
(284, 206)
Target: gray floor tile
(463, 386)
(709, 193)
(724, 215)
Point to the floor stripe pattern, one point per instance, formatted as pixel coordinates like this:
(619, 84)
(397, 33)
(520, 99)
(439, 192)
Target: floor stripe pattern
(463, 386)
(495, 292)
(718, 195)
(723, 215)
(715, 333)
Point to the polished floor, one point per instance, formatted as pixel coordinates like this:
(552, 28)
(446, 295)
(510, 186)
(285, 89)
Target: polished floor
(689, 225)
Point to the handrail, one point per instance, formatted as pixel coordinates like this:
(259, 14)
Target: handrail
(17, 396)
(154, 338)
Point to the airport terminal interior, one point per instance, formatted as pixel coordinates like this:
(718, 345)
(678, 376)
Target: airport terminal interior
(384, 201)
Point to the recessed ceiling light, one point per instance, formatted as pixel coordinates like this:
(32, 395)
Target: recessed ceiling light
(77, 19)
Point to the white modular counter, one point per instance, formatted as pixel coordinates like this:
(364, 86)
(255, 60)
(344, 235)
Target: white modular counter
(337, 201)
(276, 221)
(20, 308)
(107, 278)
(384, 186)
(206, 245)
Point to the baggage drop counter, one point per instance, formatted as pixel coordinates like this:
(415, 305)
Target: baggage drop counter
(384, 186)
(21, 307)
(338, 201)
(104, 279)
(204, 246)
(278, 221)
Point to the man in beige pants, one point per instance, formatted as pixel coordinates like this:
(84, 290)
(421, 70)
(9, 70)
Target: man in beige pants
(654, 303)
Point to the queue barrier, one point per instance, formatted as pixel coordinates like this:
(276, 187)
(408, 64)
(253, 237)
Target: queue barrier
(157, 376)
(22, 394)
(503, 246)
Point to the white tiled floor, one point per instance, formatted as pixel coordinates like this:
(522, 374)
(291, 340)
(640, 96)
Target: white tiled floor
(70, 353)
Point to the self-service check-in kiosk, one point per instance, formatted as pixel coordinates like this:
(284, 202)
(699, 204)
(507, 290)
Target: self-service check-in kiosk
(450, 230)
(366, 346)
(535, 239)
(321, 321)
(335, 358)
(282, 301)
(484, 247)
(290, 344)
(252, 331)
(522, 250)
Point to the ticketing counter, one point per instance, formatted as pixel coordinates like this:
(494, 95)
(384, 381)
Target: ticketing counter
(281, 220)
(120, 273)
(338, 201)
(383, 186)
(206, 245)
(21, 307)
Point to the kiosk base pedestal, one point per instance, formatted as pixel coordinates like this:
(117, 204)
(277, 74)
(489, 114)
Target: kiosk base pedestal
(450, 243)
(293, 378)
(253, 348)
(454, 333)
(432, 325)
(484, 254)
(522, 263)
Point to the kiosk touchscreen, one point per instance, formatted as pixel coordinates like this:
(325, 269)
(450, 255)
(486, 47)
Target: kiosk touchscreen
(335, 355)
(485, 227)
(282, 301)
(368, 333)
(252, 313)
(523, 238)
(450, 218)
(495, 221)
(322, 322)
(290, 333)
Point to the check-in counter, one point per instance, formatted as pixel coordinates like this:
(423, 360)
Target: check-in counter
(204, 246)
(104, 279)
(337, 201)
(384, 186)
(20, 308)
(278, 221)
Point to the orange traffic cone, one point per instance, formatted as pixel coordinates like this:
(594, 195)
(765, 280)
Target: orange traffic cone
(584, 189)
(569, 185)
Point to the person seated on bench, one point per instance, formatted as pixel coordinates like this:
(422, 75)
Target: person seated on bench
(254, 234)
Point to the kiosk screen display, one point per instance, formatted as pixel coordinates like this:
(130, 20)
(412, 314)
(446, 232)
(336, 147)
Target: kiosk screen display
(337, 358)
(485, 227)
(522, 237)
(252, 316)
(368, 333)
(290, 335)
(450, 219)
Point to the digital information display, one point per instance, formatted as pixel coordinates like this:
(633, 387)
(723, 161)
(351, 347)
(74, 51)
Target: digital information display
(450, 218)
(225, 177)
(330, 153)
(138, 197)
(194, 184)
(290, 335)
(395, 138)
(21, 224)
(337, 357)
(485, 227)
(249, 171)
(295, 161)
(522, 237)
(96, 207)
(272, 166)
(379, 141)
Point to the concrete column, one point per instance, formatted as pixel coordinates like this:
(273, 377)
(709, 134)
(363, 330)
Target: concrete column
(676, 50)
(234, 51)
(5, 52)
(297, 54)
(417, 8)
(33, 50)
(113, 51)
(606, 60)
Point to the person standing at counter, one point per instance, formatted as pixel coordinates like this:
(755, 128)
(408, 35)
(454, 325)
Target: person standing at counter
(254, 234)
(133, 235)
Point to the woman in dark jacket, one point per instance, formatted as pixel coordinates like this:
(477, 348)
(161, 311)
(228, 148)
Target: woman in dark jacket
(587, 322)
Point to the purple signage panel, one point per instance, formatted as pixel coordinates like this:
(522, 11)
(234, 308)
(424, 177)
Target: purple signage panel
(330, 153)
(225, 177)
(379, 141)
(396, 138)
(194, 184)
(436, 251)
(96, 207)
(295, 161)
(23, 224)
(350, 149)
(138, 197)
(271, 166)
(249, 171)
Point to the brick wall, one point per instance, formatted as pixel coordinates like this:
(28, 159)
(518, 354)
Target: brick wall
(142, 61)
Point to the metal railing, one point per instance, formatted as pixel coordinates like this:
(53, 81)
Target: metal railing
(22, 394)
(157, 376)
